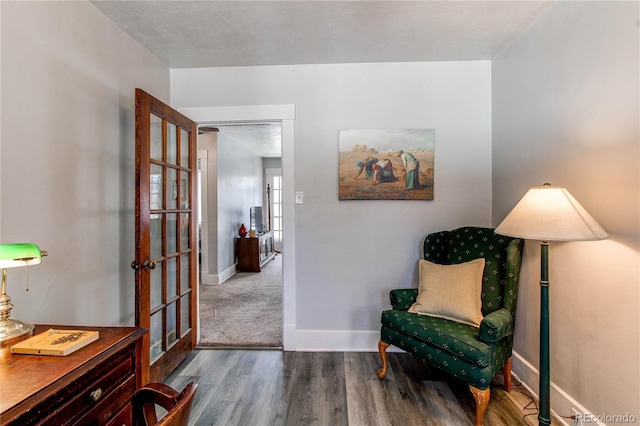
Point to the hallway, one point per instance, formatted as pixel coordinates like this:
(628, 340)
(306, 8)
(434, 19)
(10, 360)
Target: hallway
(245, 310)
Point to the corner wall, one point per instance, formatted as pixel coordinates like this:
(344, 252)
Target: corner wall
(349, 254)
(566, 111)
(240, 186)
(68, 151)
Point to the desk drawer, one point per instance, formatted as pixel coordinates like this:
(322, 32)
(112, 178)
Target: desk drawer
(123, 418)
(93, 398)
(111, 405)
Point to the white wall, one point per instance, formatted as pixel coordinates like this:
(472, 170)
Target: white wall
(68, 150)
(239, 188)
(349, 254)
(235, 180)
(565, 111)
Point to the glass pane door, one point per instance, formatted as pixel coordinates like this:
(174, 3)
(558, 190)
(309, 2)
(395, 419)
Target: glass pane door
(165, 231)
(169, 205)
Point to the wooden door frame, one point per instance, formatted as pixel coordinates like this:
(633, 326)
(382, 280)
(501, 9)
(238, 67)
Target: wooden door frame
(285, 114)
(145, 103)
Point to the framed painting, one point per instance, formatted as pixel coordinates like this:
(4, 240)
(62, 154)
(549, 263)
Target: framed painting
(386, 164)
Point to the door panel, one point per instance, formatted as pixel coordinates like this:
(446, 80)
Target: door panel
(165, 266)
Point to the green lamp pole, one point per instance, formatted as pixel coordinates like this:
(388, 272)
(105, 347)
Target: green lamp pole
(544, 416)
(548, 213)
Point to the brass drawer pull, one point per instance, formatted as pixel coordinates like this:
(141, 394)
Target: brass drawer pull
(96, 394)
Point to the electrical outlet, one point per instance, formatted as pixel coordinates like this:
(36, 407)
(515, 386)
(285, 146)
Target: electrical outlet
(578, 417)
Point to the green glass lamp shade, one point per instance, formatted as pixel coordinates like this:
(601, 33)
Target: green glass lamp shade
(12, 256)
(19, 254)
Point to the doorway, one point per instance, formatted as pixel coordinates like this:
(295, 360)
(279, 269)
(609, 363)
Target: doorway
(241, 303)
(285, 115)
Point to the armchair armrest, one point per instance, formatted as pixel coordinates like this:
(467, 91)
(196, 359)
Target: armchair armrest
(512, 278)
(402, 299)
(496, 325)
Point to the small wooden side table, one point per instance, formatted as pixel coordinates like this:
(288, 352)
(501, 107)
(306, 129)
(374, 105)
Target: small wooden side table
(253, 253)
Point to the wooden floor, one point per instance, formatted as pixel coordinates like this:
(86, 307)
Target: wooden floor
(271, 387)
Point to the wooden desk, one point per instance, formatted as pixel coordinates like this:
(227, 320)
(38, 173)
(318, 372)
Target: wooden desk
(91, 386)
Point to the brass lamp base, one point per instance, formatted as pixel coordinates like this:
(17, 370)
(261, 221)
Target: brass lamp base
(11, 330)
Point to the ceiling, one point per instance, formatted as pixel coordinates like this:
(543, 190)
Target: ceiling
(186, 34)
(208, 33)
(264, 139)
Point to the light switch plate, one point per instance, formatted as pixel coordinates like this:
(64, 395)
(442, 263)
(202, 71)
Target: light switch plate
(299, 197)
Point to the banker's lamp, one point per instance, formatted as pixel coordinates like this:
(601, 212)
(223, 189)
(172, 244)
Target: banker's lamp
(12, 256)
(548, 213)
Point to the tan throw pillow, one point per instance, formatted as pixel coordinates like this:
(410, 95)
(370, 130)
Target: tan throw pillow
(451, 292)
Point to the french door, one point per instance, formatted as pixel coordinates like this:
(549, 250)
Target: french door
(274, 179)
(166, 251)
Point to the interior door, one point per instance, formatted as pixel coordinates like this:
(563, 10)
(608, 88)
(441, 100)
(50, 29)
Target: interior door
(166, 250)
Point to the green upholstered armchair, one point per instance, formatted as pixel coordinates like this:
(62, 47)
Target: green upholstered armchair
(472, 354)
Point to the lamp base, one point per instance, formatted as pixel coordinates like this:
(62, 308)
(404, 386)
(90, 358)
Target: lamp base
(13, 329)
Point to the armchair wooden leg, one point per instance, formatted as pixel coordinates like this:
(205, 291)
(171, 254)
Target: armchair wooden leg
(382, 348)
(506, 370)
(482, 400)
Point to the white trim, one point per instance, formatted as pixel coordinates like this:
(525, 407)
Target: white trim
(288, 236)
(203, 156)
(339, 341)
(218, 279)
(239, 113)
(289, 336)
(561, 401)
(285, 114)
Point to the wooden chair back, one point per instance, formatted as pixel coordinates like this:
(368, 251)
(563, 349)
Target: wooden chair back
(177, 404)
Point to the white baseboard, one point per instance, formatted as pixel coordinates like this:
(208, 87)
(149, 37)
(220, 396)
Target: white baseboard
(338, 341)
(289, 337)
(207, 279)
(561, 401)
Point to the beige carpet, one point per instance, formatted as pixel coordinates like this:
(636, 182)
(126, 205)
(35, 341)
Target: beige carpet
(245, 310)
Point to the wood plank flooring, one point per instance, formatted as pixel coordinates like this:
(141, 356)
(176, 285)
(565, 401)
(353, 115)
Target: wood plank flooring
(271, 387)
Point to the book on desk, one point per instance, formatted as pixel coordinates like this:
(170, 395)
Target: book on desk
(55, 342)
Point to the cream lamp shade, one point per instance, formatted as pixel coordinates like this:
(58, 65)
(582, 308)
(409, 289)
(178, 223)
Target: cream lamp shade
(550, 213)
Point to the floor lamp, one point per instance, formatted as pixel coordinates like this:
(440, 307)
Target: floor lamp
(548, 213)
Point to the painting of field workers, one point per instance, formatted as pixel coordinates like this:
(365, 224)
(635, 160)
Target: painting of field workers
(386, 164)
